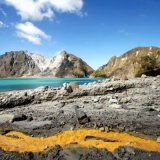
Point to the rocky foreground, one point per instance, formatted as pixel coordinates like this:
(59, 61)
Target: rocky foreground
(131, 106)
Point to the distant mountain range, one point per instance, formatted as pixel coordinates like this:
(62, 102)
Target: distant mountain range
(26, 64)
(134, 63)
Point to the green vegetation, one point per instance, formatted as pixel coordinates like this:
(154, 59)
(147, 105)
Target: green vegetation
(158, 52)
(146, 64)
(99, 74)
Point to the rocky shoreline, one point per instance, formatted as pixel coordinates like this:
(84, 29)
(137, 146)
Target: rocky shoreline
(131, 106)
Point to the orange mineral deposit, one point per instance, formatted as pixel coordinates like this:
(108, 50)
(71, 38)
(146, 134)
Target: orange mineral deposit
(16, 141)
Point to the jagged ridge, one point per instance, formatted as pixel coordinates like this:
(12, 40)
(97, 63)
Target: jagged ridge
(24, 63)
(134, 63)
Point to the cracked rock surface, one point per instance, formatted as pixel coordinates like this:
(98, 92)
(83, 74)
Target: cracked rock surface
(131, 106)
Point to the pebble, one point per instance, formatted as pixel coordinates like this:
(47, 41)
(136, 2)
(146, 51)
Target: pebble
(96, 100)
(158, 139)
(113, 101)
(124, 100)
(107, 129)
(115, 106)
(102, 129)
(143, 76)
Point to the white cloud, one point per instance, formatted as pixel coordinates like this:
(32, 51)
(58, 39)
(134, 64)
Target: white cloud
(3, 12)
(30, 32)
(37, 10)
(123, 31)
(2, 24)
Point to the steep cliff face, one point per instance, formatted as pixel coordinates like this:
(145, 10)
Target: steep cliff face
(17, 64)
(23, 63)
(134, 63)
(41, 61)
(68, 65)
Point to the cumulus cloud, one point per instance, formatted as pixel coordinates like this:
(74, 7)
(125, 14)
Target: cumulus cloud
(37, 10)
(30, 32)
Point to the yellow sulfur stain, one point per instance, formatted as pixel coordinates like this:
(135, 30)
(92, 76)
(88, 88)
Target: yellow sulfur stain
(16, 141)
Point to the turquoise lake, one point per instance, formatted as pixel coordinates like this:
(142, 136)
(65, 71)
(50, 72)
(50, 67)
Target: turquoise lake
(9, 84)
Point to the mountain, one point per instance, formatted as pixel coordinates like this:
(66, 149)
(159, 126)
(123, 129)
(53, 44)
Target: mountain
(41, 61)
(134, 63)
(25, 64)
(17, 64)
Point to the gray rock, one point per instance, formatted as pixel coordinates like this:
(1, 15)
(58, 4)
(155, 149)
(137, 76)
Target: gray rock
(65, 85)
(32, 124)
(96, 100)
(41, 89)
(98, 138)
(6, 118)
(30, 118)
(115, 106)
(124, 100)
(19, 117)
(98, 106)
(81, 116)
(99, 81)
(74, 85)
(109, 96)
(107, 80)
(25, 94)
(143, 76)
(113, 101)
(60, 105)
(69, 88)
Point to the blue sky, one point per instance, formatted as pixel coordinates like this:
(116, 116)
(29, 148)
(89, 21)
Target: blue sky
(94, 30)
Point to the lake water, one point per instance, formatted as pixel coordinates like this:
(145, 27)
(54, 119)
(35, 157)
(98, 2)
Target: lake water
(9, 84)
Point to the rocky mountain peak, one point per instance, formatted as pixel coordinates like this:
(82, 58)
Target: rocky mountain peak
(63, 53)
(133, 63)
(24, 63)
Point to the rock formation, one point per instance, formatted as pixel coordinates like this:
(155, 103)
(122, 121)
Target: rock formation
(105, 107)
(24, 64)
(17, 64)
(134, 63)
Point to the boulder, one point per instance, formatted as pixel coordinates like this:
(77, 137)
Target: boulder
(19, 117)
(143, 76)
(67, 87)
(74, 85)
(82, 118)
(124, 78)
(4, 118)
